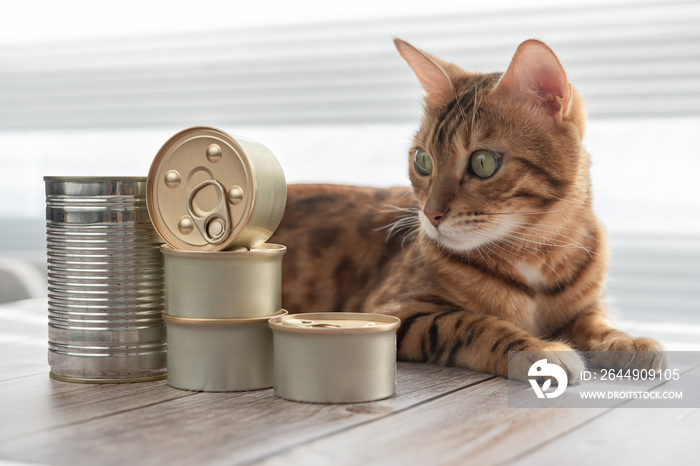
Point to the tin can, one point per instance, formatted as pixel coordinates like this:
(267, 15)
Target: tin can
(224, 284)
(335, 357)
(220, 355)
(210, 192)
(105, 281)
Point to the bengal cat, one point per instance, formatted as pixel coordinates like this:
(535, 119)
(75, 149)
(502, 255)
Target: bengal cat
(494, 249)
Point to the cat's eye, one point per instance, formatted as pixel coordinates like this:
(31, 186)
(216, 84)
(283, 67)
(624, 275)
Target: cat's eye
(484, 163)
(422, 162)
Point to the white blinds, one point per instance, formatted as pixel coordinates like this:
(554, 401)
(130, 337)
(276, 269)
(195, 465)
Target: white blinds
(627, 60)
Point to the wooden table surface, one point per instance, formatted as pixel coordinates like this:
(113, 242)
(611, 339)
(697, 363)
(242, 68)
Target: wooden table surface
(438, 416)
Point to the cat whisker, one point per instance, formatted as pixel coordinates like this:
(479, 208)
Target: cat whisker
(478, 250)
(419, 258)
(410, 235)
(405, 222)
(531, 226)
(553, 241)
(493, 241)
(520, 243)
(400, 223)
(530, 251)
(533, 235)
(459, 105)
(538, 245)
(522, 213)
(408, 222)
(538, 222)
(488, 248)
(476, 106)
(580, 232)
(530, 232)
(389, 209)
(516, 244)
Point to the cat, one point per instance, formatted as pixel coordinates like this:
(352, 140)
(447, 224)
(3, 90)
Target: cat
(494, 247)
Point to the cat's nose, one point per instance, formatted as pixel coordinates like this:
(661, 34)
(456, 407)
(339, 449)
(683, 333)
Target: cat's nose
(435, 216)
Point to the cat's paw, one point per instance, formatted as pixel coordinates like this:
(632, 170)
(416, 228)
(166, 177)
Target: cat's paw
(626, 352)
(520, 364)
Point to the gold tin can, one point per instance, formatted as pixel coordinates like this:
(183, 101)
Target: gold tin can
(334, 357)
(220, 355)
(210, 192)
(223, 284)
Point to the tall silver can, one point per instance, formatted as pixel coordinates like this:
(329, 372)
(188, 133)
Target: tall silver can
(105, 281)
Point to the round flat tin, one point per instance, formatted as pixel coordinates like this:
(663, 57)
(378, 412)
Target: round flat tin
(223, 284)
(220, 355)
(334, 357)
(207, 191)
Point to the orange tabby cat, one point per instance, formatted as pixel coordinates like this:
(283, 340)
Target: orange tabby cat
(494, 249)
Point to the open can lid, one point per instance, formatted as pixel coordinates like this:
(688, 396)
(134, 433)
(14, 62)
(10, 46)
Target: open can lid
(335, 323)
(201, 190)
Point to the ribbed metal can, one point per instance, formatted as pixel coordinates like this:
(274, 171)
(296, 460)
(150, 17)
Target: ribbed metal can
(105, 281)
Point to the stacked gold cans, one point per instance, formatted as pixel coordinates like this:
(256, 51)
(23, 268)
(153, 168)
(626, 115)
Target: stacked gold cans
(215, 200)
(217, 305)
(105, 275)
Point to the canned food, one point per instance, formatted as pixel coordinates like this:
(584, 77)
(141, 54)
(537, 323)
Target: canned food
(220, 355)
(224, 284)
(210, 192)
(105, 281)
(334, 357)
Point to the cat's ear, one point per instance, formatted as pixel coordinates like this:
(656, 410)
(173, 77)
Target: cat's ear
(535, 73)
(431, 72)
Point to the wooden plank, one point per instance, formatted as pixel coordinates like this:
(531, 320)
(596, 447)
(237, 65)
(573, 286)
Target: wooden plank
(22, 319)
(23, 338)
(627, 436)
(40, 404)
(227, 428)
(470, 426)
(23, 357)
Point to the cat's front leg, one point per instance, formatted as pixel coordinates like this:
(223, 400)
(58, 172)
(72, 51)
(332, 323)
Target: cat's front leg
(613, 349)
(446, 334)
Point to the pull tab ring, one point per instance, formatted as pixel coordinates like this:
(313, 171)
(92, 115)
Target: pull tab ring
(215, 225)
